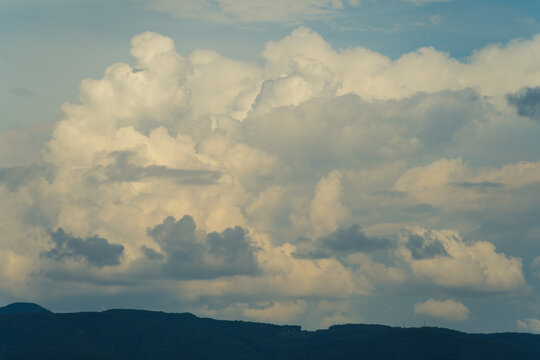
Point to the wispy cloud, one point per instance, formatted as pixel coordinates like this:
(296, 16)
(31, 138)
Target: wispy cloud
(422, 2)
(250, 10)
(20, 92)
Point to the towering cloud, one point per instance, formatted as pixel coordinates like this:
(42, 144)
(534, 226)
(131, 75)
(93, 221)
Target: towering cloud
(216, 179)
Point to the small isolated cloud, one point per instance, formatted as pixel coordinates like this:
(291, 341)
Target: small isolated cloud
(527, 102)
(447, 310)
(276, 311)
(96, 250)
(193, 254)
(532, 325)
(436, 19)
(20, 92)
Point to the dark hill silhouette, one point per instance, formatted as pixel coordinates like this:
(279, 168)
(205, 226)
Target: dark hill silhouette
(22, 307)
(137, 334)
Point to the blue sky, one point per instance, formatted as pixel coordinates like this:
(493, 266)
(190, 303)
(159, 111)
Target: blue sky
(314, 162)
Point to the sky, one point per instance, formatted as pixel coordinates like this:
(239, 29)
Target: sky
(314, 162)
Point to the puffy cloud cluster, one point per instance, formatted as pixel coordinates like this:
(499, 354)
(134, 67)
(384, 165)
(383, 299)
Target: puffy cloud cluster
(448, 310)
(443, 258)
(276, 164)
(191, 254)
(96, 250)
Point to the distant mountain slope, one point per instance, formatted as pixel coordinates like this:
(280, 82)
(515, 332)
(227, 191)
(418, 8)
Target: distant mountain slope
(135, 334)
(22, 308)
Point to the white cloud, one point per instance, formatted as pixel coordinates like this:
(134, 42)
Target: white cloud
(532, 325)
(313, 140)
(448, 310)
(444, 259)
(450, 183)
(277, 311)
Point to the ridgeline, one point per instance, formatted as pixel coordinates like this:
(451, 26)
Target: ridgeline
(29, 331)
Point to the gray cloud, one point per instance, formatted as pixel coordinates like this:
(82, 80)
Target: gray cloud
(343, 240)
(20, 92)
(482, 186)
(424, 248)
(151, 253)
(16, 176)
(124, 170)
(96, 250)
(352, 239)
(527, 102)
(193, 254)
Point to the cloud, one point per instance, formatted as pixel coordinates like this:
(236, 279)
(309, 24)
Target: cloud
(442, 258)
(20, 92)
(527, 102)
(192, 254)
(275, 161)
(96, 250)
(250, 10)
(452, 184)
(151, 253)
(450, 310)
(124, 170)
(276, 311)
(535, 266)
(343, 241)
(425, 247)
(532, 325)
(422, 2)
(15, 177)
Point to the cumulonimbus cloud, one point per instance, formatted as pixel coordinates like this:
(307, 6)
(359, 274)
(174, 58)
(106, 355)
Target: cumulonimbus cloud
(304, 146)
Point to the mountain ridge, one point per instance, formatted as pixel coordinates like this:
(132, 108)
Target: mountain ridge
(144, 334)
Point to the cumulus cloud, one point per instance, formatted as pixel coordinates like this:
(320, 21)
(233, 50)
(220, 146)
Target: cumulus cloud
(97, 251)
(450, 310)
(14, 177)
(452, 184)
(444, 259)
(192, 254)
(275, 161)
(343, 241)
(124, 170)
(527, 102)
(532, 325)
(425, 247)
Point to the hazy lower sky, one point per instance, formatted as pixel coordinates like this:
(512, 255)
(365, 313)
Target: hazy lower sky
(310, 162)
